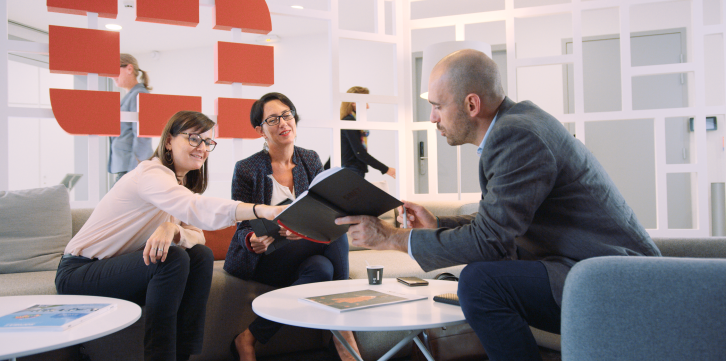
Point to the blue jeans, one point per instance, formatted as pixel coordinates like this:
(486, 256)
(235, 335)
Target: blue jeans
(174, 292)
(357, 171)
(501, 299)
(298, 263)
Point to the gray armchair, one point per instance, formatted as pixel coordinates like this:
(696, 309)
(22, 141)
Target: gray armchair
(645, 308)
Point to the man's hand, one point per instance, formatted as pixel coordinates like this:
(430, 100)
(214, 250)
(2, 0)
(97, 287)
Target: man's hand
(259, 244)
(371, 232)
(157, 246)
(418, 216)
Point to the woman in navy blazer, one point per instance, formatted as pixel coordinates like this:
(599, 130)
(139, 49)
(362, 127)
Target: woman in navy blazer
(281, 170)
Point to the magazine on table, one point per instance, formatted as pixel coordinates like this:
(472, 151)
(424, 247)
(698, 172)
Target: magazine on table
(356, 300)
(58, 317)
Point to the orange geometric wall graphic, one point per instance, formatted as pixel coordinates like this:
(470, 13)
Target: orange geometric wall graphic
(172, 12)
(82, 51)
(99, 111)
(156, 109)
(252, 16)
(233, 118)
(104, 8)
(244, 63)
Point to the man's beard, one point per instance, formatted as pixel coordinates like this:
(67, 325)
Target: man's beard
(461, 128)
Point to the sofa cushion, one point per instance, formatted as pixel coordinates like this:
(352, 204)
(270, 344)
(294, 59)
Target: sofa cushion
(36, 226)
(28, 283)
(79, 216)
(219, 241)
(707, 247)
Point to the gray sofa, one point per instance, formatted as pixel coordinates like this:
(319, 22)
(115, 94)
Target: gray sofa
(229, 306)
(641, 308)
(228, 309)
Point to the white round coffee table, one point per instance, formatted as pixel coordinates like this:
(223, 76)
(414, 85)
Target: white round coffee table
(23, 343)
(283, 306)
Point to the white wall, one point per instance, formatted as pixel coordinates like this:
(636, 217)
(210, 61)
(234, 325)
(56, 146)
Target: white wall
(42, 153)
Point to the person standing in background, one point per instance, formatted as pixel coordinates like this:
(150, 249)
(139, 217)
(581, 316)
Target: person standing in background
(128, 150)
(354, 142)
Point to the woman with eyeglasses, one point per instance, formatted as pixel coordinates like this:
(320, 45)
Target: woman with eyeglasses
(143, 241)
(280, 171)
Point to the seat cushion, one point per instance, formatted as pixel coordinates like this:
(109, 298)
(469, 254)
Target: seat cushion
(218, 241)
(36, 226)
(28, 283)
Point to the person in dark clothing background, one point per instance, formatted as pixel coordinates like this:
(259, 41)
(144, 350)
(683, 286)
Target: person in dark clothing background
(353, 142)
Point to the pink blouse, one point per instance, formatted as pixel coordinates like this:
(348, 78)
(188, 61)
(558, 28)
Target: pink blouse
(138, 204)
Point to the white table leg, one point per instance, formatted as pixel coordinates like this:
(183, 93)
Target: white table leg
(398, 346)
(423, 349)
(345, 343)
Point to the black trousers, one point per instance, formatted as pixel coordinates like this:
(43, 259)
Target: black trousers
(174, 292)
(501, 299)
(298, 263)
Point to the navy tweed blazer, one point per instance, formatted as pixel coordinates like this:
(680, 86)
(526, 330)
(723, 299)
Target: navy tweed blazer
(251, 184)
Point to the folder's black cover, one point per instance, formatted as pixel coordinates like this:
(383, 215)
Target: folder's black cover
(343, 193)
(264, 227)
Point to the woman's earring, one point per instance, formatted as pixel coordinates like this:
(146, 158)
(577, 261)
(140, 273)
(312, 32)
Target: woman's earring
(169, 157)
(265, 147)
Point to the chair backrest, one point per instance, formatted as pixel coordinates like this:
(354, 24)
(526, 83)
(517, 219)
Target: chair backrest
(707, 247)
(645, 308)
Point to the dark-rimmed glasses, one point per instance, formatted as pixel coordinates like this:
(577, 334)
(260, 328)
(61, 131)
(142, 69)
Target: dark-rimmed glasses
(274, 120)
(196, 139)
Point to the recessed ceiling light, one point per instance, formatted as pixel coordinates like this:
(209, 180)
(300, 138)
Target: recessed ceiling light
(267, 39)
(113, 27)
(296, 7)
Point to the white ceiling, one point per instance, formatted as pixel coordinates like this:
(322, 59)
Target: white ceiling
(141, 37)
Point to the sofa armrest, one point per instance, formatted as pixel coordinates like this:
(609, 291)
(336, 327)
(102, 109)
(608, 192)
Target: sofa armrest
(644, 308)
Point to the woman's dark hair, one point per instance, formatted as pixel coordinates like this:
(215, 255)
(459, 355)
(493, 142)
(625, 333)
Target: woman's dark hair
(258, 107)
(195, 180)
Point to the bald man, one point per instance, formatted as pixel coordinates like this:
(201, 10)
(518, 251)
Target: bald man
(546, 204)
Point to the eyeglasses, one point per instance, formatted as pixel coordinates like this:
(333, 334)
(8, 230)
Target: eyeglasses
(274, 120)
(195, 140)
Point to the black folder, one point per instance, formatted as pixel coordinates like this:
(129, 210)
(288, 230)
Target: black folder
(265, 227)
(334, 193)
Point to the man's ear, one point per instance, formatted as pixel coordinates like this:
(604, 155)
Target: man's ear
(472, 104)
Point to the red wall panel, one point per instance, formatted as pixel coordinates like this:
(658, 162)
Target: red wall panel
(233, 118)
(87, 112)
(172, 12)
(82, 51)
(252, 16)
(104, 8)
(244, 63)
(156, 109)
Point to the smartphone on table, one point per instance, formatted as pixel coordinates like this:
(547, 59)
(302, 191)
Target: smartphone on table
(413, 281)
